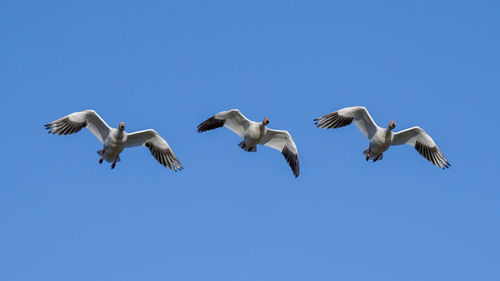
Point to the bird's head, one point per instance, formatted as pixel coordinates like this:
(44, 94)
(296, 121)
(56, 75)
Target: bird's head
(265, 121)
(121, 126)
(392, 125)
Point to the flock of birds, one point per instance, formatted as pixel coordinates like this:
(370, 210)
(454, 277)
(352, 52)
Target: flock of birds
(253, 133)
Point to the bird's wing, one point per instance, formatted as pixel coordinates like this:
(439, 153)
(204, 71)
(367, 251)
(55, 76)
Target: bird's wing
(423, 143)
(157, 145)
(283, 142)
(74, 122)
(345, 116)
(231, 119)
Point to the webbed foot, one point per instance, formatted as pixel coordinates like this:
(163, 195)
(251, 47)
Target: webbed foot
(101, 152)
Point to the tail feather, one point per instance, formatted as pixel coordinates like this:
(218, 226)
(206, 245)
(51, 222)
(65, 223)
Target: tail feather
(373, 156)
(244, 146)
(100, 152)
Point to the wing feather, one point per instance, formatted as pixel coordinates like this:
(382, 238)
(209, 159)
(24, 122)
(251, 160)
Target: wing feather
(232, 119)
(346, 116)
(283, 142)
(158, 147)
(423, 143)
(74, 122)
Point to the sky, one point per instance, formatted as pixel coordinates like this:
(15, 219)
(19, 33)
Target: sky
(232, 215)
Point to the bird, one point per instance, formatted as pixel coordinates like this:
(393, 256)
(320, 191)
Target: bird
(115, 140)
(254, 133)
(383, 138)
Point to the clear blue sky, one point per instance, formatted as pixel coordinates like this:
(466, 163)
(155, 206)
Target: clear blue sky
(231, 215)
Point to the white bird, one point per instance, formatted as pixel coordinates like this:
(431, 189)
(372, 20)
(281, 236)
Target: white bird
(115, 140)
(382, 138)
(254, 133)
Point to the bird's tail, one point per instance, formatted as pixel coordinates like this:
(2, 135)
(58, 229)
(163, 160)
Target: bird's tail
(100, 152)
(373, 156)
(246, 148)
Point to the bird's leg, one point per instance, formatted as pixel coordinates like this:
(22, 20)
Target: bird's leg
(102, 157)
(376, 158)
(368, 154)
(114, 163)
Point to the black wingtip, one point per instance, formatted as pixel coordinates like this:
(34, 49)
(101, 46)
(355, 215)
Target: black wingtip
(332, 120)
(48, 127)
(292, 159)
(433, 155)
(210, 124)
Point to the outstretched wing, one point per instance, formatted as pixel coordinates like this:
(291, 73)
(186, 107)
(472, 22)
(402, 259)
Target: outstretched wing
(345, 116)
(283, 142)
(231, 119)
(74, 122)
(159, 148)
(423, 143)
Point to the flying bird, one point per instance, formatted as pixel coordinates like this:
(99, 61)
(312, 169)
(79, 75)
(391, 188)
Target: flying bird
(382, 138)
(115, 140)
(254, 133)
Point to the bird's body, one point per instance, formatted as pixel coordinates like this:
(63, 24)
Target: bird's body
(379, 143)
(253, 136)
(381, 139)
(113, 145)
(255, 133)
(115, 140)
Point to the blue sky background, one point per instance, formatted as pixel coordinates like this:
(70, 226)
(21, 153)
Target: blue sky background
(232, 215)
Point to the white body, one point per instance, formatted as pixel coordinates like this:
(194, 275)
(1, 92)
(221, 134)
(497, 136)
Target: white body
(381, 141)
(114, 144)
(254, 134)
